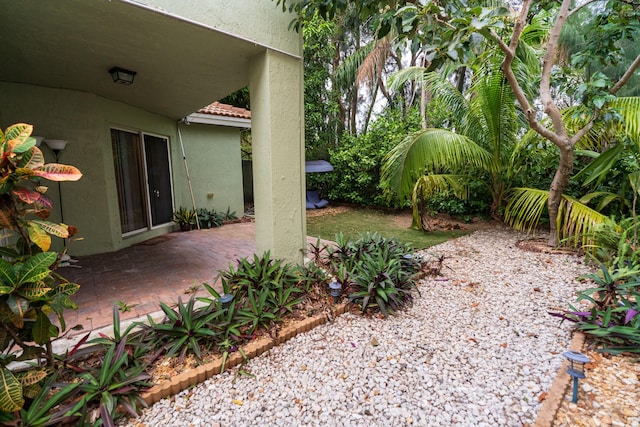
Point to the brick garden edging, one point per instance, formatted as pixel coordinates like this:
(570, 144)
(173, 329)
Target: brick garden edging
(192, 377)
(254, 348)
(551, 405)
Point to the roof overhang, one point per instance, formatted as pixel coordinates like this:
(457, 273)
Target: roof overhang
(209, 119)
(71, 44)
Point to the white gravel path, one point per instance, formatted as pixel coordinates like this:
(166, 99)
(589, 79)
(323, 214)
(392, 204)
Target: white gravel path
(475, 350)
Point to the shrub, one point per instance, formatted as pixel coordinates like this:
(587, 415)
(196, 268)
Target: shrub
(613, 319)
(29, 289)
(357, 162)
(378, 273)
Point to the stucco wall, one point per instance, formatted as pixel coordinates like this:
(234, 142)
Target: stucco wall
(258, 20)
(215, 167)
(85, 120)
(73, 116)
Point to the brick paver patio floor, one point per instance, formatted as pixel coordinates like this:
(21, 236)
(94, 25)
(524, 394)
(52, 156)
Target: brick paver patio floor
(159, 270)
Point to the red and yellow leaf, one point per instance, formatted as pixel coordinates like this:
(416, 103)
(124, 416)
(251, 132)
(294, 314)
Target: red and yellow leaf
(32, 159)
(17, 307)
(29, 196)
(6, 218)
(58, 230)
(58, 172)
(18, 134)
(39, 236)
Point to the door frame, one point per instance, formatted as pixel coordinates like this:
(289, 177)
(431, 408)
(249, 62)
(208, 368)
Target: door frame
(145, 178)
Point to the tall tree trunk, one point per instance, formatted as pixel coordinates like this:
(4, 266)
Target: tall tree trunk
(559, 183)
(370, 109)
(425, 95)
(460, 78)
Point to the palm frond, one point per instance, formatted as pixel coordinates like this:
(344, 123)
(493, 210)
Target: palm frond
(575, 220)
(429, 151)
(345, 75)
(372, 65)
(629, 108)
(435, 82)
(427, 185)
(408, 74)
(491, 118)
(525, 208)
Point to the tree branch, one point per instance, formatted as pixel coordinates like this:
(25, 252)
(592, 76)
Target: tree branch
(580, 7)
(510, 53)
(583, 131)
(547, 66)
(503, 46)
(626, 76)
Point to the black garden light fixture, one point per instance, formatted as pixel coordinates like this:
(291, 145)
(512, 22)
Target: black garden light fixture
(335, 289)
(576, 369)
(225, 300)
(122, 76)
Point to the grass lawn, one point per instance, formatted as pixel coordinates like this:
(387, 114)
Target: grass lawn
(354, 222)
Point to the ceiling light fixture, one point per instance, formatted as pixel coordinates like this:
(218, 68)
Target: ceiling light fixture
(122, 76)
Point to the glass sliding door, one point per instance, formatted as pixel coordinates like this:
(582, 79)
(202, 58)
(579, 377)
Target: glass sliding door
(143, 179)
(158, 179)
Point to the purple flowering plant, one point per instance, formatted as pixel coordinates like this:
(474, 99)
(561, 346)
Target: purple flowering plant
(614, 317)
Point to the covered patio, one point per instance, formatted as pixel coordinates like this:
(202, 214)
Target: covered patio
(158, 270)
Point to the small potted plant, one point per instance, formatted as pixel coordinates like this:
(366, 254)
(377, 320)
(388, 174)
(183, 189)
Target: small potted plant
(185, 218)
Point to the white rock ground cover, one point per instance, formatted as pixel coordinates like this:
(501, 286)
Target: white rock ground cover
(478, 349)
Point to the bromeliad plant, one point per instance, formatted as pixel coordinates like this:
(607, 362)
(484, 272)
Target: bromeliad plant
(116, 381)
(185, 329)
(185, 218)
(379, 273)
(30, 290)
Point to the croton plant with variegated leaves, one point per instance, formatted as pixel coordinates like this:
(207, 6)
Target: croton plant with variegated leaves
(30, 289)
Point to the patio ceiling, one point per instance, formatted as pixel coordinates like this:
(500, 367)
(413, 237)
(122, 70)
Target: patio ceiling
(71, 44)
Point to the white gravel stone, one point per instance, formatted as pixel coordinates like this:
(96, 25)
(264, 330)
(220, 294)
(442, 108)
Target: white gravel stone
(476, 349)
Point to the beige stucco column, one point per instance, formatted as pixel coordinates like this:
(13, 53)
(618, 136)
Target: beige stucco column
(277, 132)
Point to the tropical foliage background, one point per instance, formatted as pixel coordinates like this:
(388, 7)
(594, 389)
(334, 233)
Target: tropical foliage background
(440, 128)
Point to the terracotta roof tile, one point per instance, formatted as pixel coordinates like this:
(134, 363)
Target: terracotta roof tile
(218, 109)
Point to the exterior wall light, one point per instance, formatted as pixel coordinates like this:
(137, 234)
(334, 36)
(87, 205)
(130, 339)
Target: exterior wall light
(576, 369)
(122, 76)
(335, 289)
(56, 145)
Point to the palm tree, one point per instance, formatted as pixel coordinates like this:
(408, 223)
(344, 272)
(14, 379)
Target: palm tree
(478, 148)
